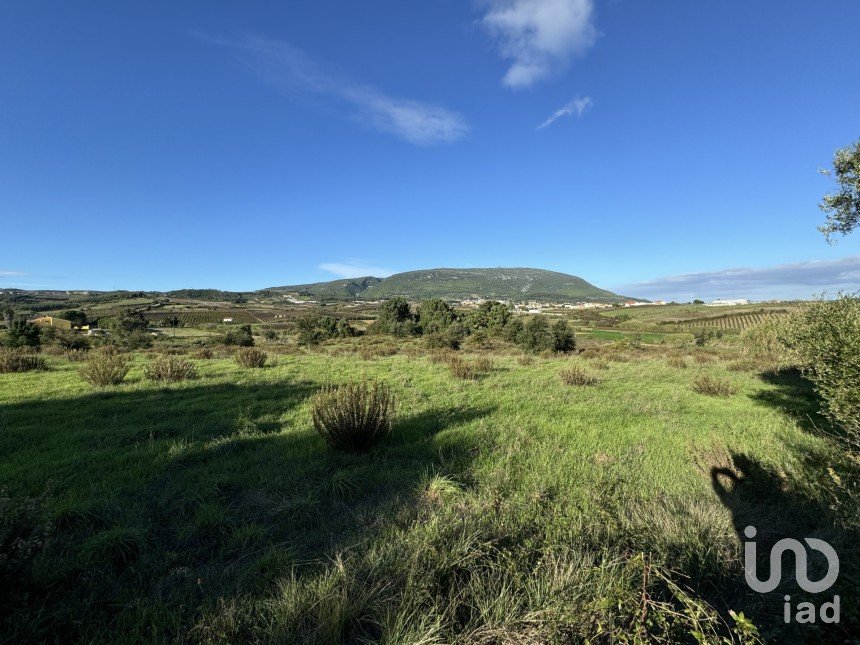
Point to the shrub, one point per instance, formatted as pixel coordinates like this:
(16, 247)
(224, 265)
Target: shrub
(825, 338)
(711, 386)
(396, 318)
(251, 357)
(576, 375)
(525, 359)
(314, 329)
(204, 353)
(105, 367)
(448, 339)
(462, 369)
(19, 360)
(353, 417)
(22, 334)
(170, 369)
(536, 335)
(241, 337)
(564, 339)
(483, 364)
(76, 355)
(677, 361)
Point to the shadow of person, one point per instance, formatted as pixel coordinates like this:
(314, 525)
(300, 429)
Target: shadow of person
(776, 507)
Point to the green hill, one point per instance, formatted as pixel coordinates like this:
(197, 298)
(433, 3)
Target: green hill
(347, 289)
(503, 283)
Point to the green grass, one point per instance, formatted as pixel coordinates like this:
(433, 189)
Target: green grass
(507, 508)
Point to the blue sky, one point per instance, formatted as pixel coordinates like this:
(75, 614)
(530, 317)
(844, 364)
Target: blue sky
(234, 145)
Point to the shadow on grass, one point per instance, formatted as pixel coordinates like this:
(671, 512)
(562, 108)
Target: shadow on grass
(764, 498)
(795, 396)
(158, 503)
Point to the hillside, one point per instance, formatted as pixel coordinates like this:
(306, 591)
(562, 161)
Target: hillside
(347, 289)
(503, 283)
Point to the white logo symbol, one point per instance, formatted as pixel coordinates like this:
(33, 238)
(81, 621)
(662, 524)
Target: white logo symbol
(788, 544)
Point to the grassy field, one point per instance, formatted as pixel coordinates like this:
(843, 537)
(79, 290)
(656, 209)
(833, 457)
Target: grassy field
(511, 508)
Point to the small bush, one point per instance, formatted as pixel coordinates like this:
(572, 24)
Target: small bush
(20, 360)
(576, 375)
(251, 357)
(483, 364)
(204, 353)
(525, 359)
(677, 361)
(170, 369)
(353, 417)
(447, 339)
(441, 356)
(76, 355)
(462, 369)
(104, 368)
(711, 386)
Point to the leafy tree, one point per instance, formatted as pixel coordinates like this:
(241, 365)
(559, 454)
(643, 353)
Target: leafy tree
(314, 329)
(435, 316)
(241, 337)
(698, 302)
(8, 316)
(395, 317)
(22, 334)
(537, 335)
(490, 315)
(825, 336)
(564, 339)
(76, 317)
(843, 207)
(513, 331)
(129, 321)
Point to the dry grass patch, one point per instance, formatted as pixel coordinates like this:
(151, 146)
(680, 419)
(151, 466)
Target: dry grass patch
(678, 362)
(170, 369)
(712, 386)
(105, 367)
(20, 360)
(251, 357)
(353, 417)
(577, 375)
(525, 359)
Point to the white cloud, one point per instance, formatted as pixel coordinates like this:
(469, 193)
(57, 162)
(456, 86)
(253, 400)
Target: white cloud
(577, 106)
(355, 269)
(539, 36)
(6, 274)
(291, 71)
(784, 281)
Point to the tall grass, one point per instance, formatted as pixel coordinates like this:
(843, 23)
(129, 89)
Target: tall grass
(355, 416)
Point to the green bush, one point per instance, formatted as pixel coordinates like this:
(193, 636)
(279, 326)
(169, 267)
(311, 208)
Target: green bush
(395, 317)
(314, 329)
(241, 337)
(105, 367)
(564, 339)
(537, 335)
(251, 357)
(435, 316)
(170, 369)
(353, 417)
(447, 339)
(19, 359)
(825, 338)
(22, 334)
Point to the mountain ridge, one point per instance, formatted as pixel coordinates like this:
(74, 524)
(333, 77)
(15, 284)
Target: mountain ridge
(501, 283)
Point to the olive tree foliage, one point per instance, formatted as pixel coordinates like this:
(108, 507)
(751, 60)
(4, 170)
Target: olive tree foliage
(395, 318)
(825, 337)
(843, 206)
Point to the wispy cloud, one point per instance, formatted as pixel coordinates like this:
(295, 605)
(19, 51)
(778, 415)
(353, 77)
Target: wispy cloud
(797, 280)
(7, 274)
(291, 71)
(577, 106)
(355, 269)
(539, 36)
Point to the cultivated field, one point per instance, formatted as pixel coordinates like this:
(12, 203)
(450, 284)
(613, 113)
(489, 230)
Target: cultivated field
(511, 506)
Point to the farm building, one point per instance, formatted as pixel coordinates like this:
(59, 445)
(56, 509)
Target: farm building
(50, 321)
